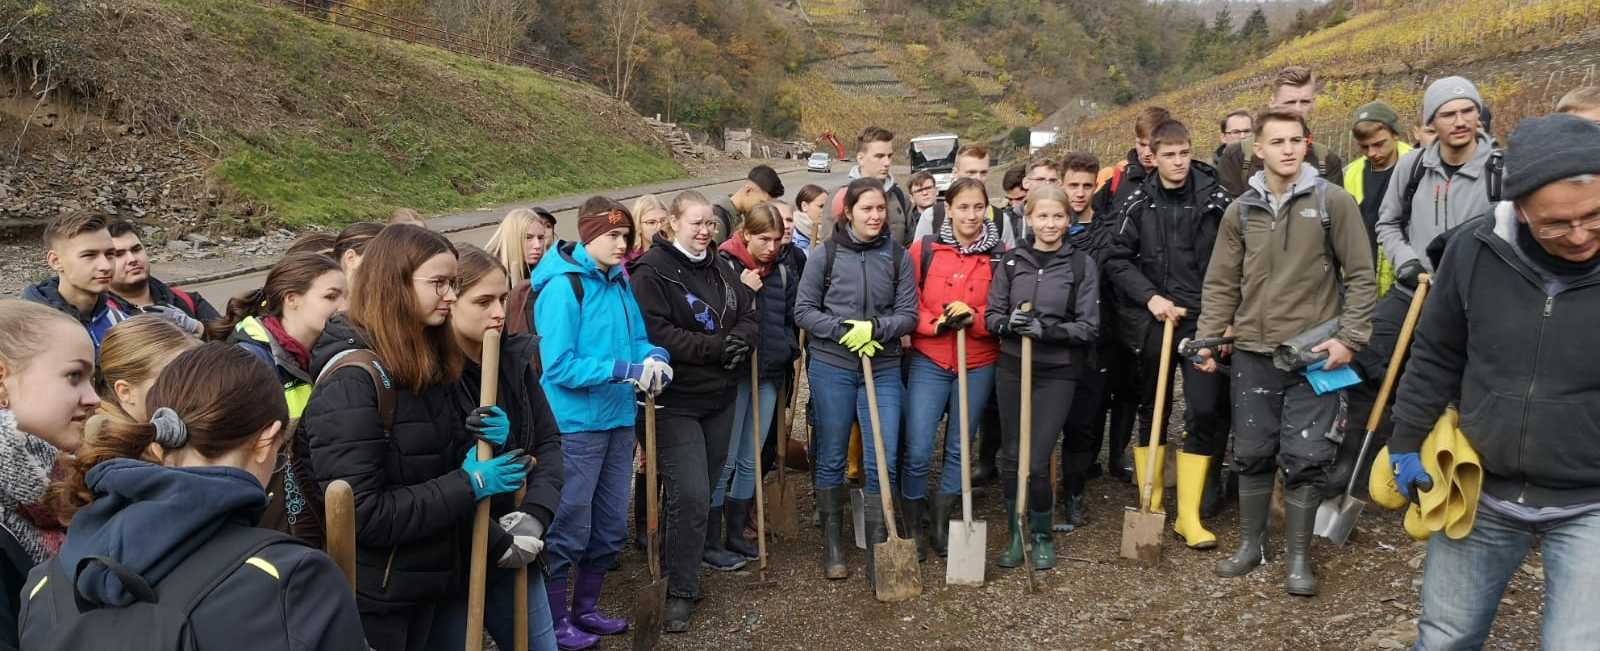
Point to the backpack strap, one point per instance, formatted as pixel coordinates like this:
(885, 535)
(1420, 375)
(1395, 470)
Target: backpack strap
(925, 263)
(830, 251)
(368, 361)
(188, 301)
(1079, 267)
(940, 213)
(1413, 183)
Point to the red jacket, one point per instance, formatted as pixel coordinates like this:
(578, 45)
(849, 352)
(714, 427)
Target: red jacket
(953, 277)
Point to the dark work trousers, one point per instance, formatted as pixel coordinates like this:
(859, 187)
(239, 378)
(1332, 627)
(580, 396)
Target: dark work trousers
(1205, 395)
(693, 446)
(1119, 404)
(1052, 402)
(1081, 438)
(403, 629)
(1372, 361)
(1279, 421)
(990, 433)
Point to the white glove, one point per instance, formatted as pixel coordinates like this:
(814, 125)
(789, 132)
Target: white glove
(178, 318)
(656, 376)
(526, 539)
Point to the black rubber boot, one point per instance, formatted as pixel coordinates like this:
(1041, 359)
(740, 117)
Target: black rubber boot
(676, 615)
(1123, 416)
(1214, 498)
(1300, 510)
(914, 513)
(738, 512)
(716, 557)
(830, 503)
(939, 523)
(872, 514)
(1255, 499)
(1073, 481)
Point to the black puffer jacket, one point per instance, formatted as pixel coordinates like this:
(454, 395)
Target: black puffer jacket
(1106, 199)
(14, 566)
(1160, 244)
(690, 308)
(1047, 280)
(533, 430)
(414, 504)
(780, 343)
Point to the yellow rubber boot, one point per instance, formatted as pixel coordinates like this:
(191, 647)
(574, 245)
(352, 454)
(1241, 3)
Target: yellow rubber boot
(1191, 484)
(852, 464)
(1141, 457)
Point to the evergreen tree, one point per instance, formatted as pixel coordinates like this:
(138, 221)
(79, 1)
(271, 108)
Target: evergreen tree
(1255, 31)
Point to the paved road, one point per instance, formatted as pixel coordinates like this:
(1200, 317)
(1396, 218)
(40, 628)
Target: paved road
(476, 226)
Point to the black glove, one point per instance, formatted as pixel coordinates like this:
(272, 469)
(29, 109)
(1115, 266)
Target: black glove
(1025, 324)
(1408, 274)
(734, 351)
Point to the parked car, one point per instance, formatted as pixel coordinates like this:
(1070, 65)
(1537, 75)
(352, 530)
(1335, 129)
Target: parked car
(820, 162)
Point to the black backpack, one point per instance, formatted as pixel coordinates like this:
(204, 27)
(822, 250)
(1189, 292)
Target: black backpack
(1494, 173)
(159, 619)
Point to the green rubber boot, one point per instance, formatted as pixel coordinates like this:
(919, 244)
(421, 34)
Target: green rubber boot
(1012, 556)
(1044, 539)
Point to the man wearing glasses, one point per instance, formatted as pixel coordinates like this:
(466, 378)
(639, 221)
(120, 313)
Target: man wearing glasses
(1236, 126)
(1507, 334)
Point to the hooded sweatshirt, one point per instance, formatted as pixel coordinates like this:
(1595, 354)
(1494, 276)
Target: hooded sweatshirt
(691, 306)
(97, 322)
(1441, 201)
(149, 518)
(902, 214)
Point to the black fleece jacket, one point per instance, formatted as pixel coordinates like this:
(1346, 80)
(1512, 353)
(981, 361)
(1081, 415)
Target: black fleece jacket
(533, 430)
(1046, 279)
(690, 308)
(1512, 344)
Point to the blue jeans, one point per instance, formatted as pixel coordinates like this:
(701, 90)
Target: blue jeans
(741, 465)
(450, 623)
(841, 398)
(1463, 580)
(931, 394)
(592, 519)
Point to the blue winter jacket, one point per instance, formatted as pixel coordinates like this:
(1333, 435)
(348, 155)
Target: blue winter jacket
(580, 345)
(99, 320)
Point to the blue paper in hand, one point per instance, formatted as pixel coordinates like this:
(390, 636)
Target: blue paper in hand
(1324, 382)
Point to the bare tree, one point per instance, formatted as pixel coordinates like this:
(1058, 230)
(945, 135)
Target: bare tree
(500, 24)
(624, 21)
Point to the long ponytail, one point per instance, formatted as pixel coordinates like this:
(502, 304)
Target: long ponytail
(292, 275)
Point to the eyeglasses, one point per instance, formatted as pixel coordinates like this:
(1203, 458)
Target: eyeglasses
(1559, 230)
(705, 225)
(443, 286)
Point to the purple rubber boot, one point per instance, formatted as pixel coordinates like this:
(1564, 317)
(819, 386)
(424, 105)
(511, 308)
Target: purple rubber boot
(585, 595)
(568, 637)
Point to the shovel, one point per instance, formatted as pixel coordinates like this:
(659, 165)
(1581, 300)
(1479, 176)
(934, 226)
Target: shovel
(781, 506)
(1025, 457)
(756, 436)
(1142, 528)
(340, 507)
(1337, 517)
(896, 576)
(648, 611)
(968, 539)
(480, 521)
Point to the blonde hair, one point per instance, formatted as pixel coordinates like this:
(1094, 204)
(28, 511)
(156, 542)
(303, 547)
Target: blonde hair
(642, 205)
(1579, 99)
(1043, 192)
(506, 242)
(134, 351)
(25, 330)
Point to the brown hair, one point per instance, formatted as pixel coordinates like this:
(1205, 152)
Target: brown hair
(966, 184)
(1369, 128)
(1171, 132)
(1293, 77)
(1013, 177)
(294, 274)
(222, 393)
(1077, 161)
(873, 134)
(132, 352)
(24, 331)
(70, 225)
(474, 264)
(1279, 115)
(973, 151)
(920, 178)
(808, 194)
(1582, 98)
(764, 218)
(1149, 118)
(383, 305)
(354, 238)
(320, 243)
(1038, 162)
(1222, 126)
(857, 189)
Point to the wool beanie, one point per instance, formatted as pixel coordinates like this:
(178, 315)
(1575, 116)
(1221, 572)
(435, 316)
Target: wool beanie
(1377, 112)
(593, 225)
(1547, 149)
(1445, 90)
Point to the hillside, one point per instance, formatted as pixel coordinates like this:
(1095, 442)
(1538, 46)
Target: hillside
(236, 113)
(1522, 54)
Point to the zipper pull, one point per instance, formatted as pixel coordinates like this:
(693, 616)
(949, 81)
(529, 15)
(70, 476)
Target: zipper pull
(1549, 301)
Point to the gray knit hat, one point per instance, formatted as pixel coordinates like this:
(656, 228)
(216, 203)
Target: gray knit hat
(1548, 149)
(1444, 90)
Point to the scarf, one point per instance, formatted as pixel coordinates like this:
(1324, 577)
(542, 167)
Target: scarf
(987, 239)
(24, 475)
(290, 344)
(689, 255)
(735, 247)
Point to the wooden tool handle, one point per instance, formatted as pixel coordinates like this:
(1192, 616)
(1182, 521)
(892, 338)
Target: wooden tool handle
(877, 448)
(966, 458)
(1407, 328)
(1147, 484)
(651, 489)
(480, 522)
(340, 505)
(519, 598)
(756, 436)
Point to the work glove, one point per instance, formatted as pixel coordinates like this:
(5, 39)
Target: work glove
(650, 376)
(527, 540)
(859, 335)
(490, 424)
(497, 476)
(870, 349)
(1409, 476)
(177, 317)
(734, 351)
(1024, 324)
(1408, 274)
(956, 316)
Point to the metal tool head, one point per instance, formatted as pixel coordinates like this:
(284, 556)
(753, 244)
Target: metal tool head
(968, 551)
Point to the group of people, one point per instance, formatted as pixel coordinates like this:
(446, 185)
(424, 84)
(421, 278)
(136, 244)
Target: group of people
(154, 450)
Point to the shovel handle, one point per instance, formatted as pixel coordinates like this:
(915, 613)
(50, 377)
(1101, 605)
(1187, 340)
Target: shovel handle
(755, 436)
(966, 460)
(341, 525)
(519, 598)
(1147, 485)
(480, 521)
(877, 448)
(652, 493)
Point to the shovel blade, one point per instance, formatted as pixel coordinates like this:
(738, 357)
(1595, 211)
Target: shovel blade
(1342, 515)
(858, 517)
(896, 575)
(648, 615)
(968, 547)
(1142, 536)
(782, 512)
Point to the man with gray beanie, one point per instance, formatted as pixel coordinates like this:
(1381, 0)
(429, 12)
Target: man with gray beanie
(1439, 186)
(1507, 334)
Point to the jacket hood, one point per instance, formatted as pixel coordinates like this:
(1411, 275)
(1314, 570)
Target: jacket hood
(570, 257)
(339, 335)
(48, 292)
(148, 518)
(855, 173)
(1257, 193)
(735, 249)
(1201, 182)
(846, 238)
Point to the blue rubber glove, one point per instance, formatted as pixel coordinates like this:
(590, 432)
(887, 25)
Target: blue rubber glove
(497, 476)
(1409, 476)
(490, 424)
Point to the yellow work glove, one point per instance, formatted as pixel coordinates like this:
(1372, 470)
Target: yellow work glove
(859, 335)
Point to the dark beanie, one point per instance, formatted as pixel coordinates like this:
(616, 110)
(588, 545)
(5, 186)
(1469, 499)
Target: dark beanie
(1547, 149)
(592, 225)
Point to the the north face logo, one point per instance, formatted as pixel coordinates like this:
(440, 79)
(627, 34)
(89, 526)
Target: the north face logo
(1309, 213)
